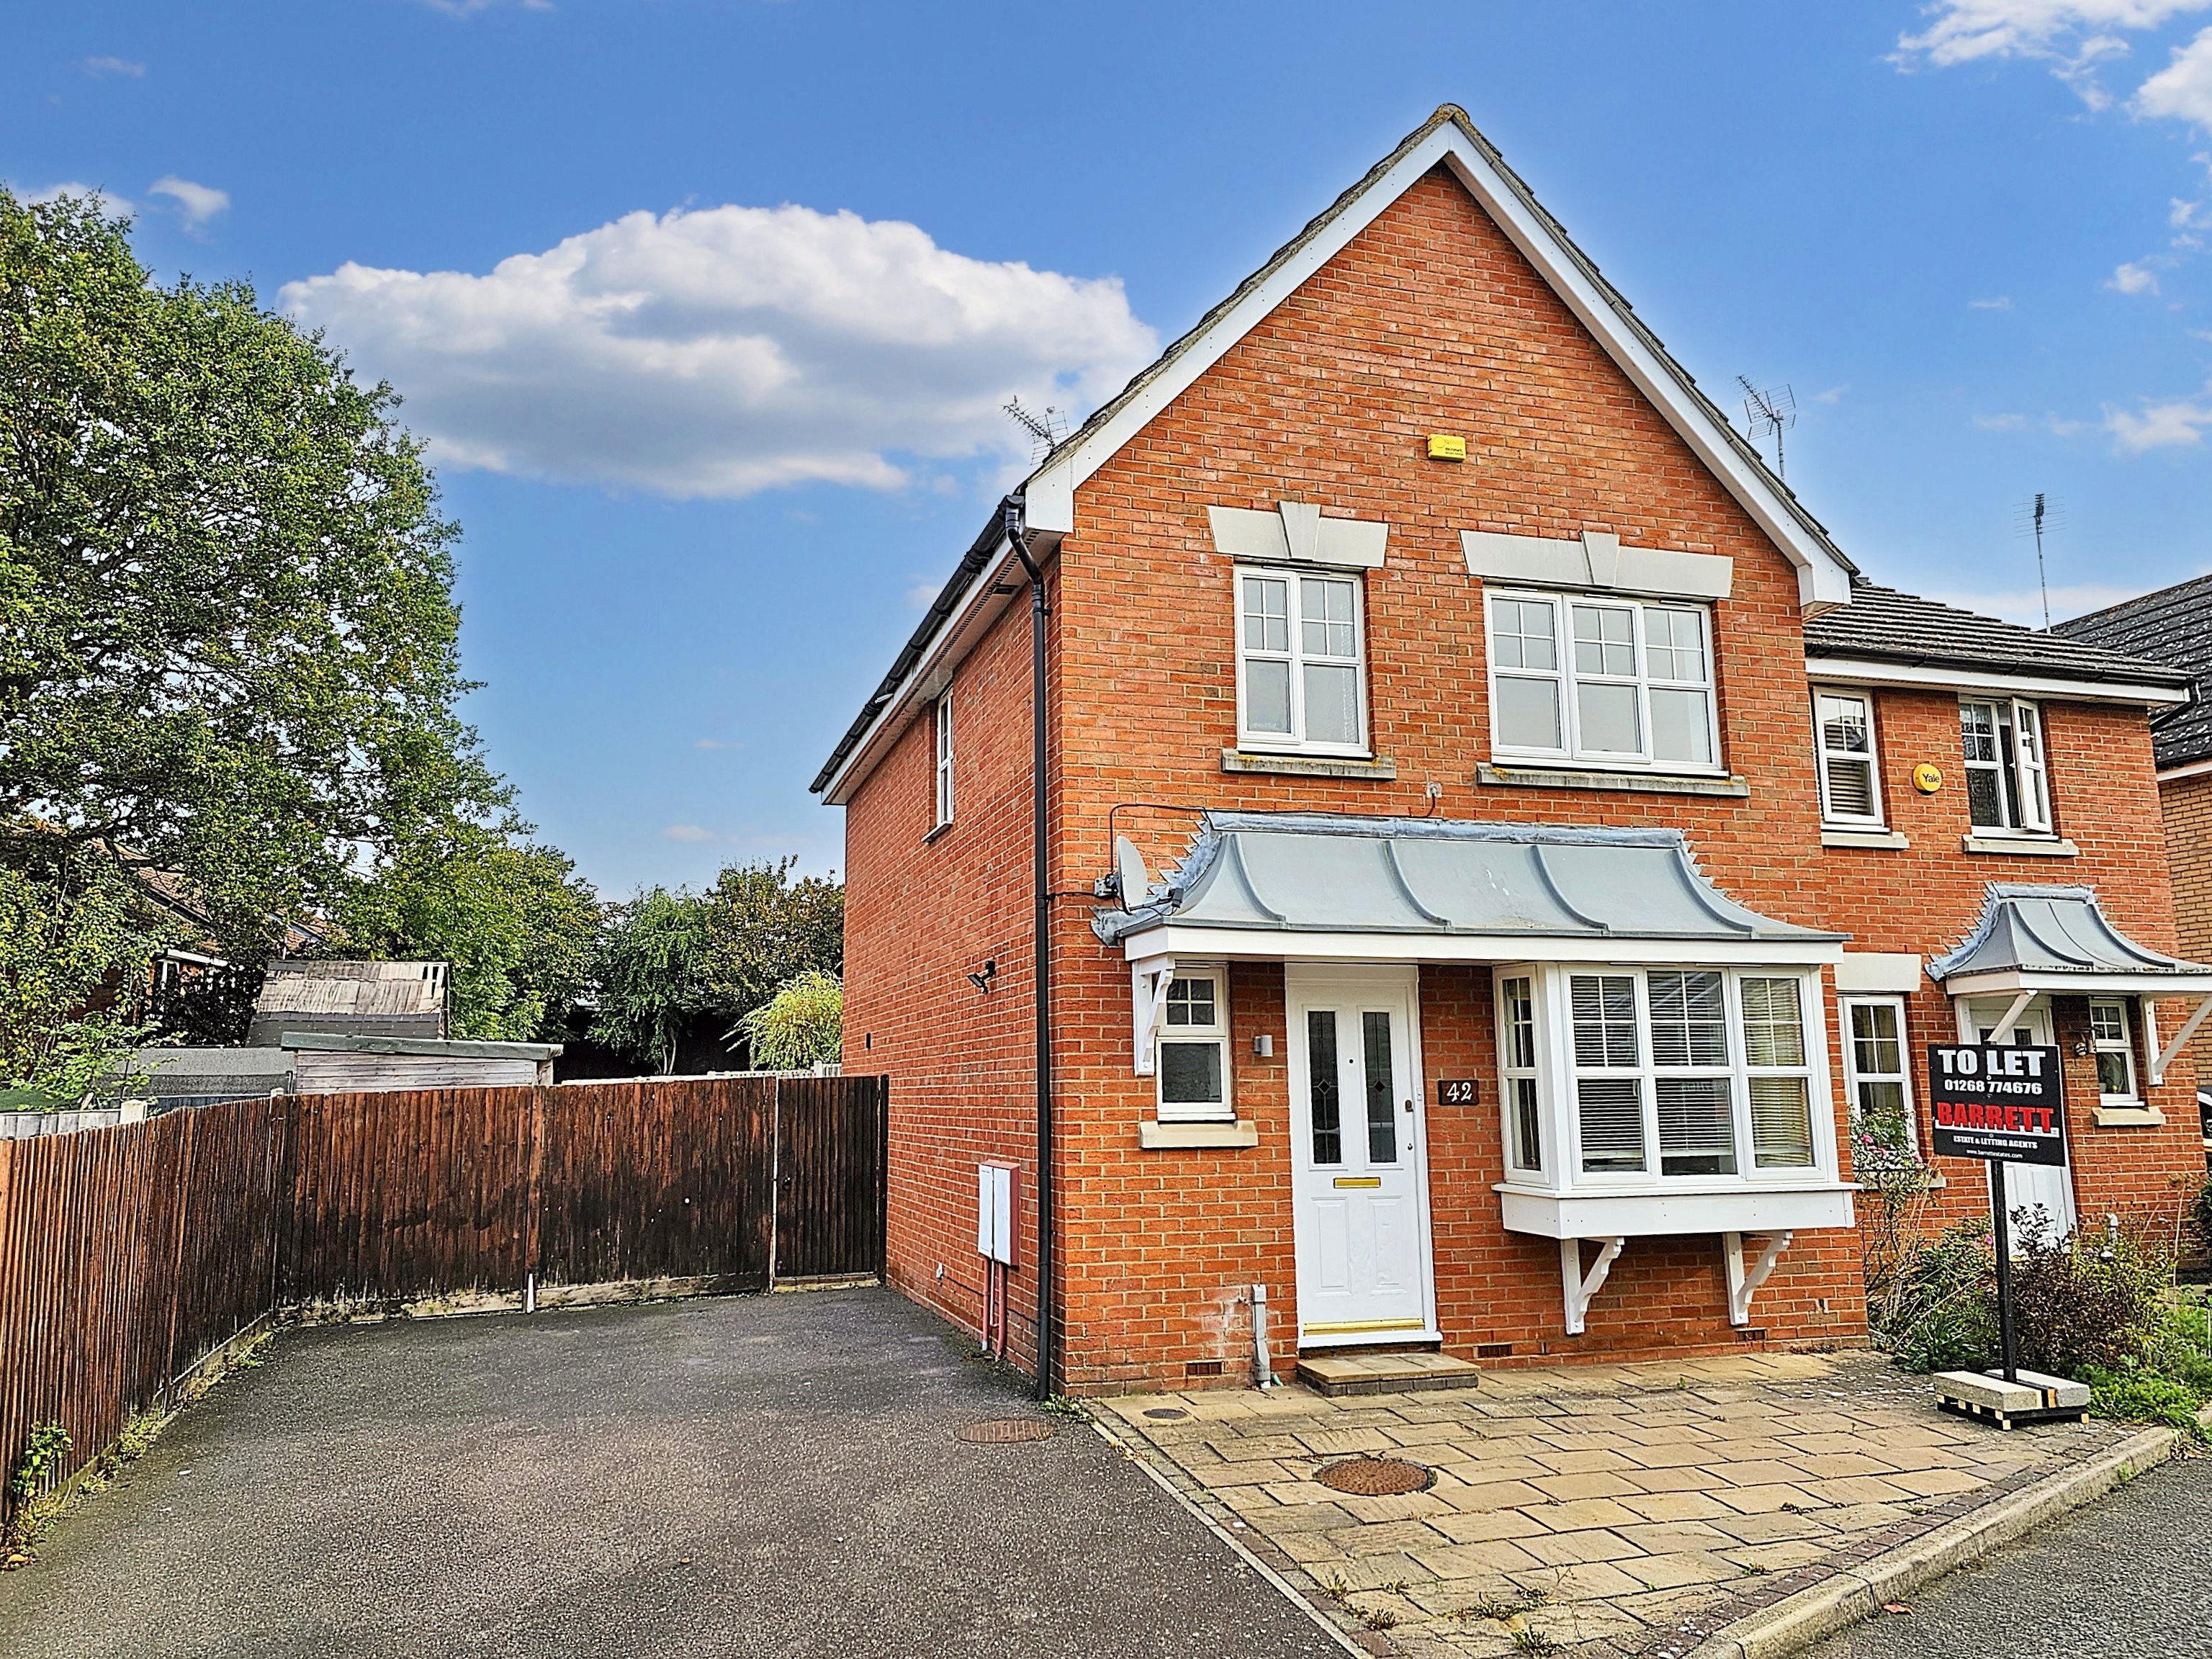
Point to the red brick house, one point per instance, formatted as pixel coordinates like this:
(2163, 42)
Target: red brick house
(1485, 872)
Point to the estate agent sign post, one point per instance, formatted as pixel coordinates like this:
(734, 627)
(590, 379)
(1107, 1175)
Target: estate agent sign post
(2003, 1103)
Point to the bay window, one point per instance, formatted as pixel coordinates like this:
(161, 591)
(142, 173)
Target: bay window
(1525, 1121)
(1603, 682)
(2007, 783)
(1301, 671)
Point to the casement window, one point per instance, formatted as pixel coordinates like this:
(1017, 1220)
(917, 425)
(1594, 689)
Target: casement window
(1876, 1076)
(945, 760)
(2112, 1036)
(2008, 783)
(1193, 1058)
(1602, 681)
(1695, 1065)
(1300, 667)
(1843, 730)
(1524, 1118)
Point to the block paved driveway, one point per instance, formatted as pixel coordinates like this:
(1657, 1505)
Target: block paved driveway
(754, 1475)
(1616, 1510)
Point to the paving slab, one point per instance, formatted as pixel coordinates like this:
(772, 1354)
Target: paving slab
(1618, 1511)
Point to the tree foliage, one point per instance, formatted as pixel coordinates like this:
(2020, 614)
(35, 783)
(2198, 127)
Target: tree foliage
(803, 1024)
(71, 944)
(228, 647)
(672, 958)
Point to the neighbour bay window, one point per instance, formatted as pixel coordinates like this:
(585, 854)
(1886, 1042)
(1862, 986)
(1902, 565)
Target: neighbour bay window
(1602, 681)
(1194, 1038)
(2007, 783)
(1663, 1074)
(1850, 791)
(1301, 671)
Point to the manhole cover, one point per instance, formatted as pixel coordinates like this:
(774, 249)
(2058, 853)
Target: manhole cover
(1374, 1477)
(1167, 1414)
(1003, 1431)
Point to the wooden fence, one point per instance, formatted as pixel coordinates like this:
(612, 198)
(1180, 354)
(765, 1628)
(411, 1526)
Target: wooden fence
(127, 1256)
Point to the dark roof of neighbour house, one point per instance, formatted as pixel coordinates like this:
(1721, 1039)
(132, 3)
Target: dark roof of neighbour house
(1886, 625)
(2172, 626)
(1328, 872)
(978, 556)
(2031, 930)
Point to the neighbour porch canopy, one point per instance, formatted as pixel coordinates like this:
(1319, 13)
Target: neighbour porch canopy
(1320, 887)
(2033, 940)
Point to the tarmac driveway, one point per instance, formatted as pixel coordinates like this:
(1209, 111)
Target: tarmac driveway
(748, 1475)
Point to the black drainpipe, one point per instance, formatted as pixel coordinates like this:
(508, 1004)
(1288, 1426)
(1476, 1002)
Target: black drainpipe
(1018, 537)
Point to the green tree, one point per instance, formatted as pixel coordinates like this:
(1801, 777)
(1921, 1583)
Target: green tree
(228, 644)
(803, 1024)
(512, 917)
(673, 958)
(69, 948)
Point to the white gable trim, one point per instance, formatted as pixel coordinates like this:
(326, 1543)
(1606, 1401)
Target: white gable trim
(1822, 581)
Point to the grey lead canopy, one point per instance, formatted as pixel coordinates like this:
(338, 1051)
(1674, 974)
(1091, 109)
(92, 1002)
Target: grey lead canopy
(2050, 938)
(1311, 872)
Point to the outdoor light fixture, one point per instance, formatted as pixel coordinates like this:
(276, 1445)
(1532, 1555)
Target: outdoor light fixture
(982, 981)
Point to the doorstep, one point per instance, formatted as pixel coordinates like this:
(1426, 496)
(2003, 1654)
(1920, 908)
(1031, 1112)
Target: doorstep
(1334, 1376)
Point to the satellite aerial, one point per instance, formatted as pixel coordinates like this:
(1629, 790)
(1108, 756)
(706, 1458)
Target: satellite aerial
(1129, 872)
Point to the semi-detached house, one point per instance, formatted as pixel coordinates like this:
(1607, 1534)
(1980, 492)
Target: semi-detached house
(1498, 848)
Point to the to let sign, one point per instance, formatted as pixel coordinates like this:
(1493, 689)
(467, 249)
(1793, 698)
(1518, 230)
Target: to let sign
(1997, 1102)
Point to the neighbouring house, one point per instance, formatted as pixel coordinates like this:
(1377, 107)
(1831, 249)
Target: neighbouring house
(1498, 849)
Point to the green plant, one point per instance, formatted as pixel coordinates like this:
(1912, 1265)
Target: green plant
(2135, 1396)
(1378, 1619)
(1937, 1309)
(2092, 1301)
(803, 1024)
(43, 1456)
(1529, 1639)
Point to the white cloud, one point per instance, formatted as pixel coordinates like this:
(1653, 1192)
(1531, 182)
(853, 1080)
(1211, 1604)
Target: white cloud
(1833, 396)
(2003, 302)
(686, 832)
(110, 202)
(2183, 89)
(717, 743)
(2025, 604)
(2075, 31)
(196, 204)
(921, 592)
(2132, 278)
(469, 8)
(97, 67)
(2177, 423)
(729, 350)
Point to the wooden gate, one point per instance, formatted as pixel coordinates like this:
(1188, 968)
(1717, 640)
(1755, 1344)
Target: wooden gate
(830, 1158)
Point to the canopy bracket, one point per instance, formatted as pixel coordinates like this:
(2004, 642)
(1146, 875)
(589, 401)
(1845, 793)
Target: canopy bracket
(1148, 1001)
(1582, 1287)
(1743, 1283)
(2166, 1056)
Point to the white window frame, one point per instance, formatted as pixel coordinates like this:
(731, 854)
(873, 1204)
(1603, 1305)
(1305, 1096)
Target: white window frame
(1566, 677)
(1215, 1035)
(1823, 754)
(1853, 1077)
(1295, 741)
(2124, 1045)
(1521, 1073)
(2022, 768)
(943, 770)
(1555, 1010)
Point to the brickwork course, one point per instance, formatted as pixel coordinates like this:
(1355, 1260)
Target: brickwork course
(1430, 318)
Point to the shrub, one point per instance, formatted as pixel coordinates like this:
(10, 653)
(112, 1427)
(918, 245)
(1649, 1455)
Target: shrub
(1939, 1310)
(2137, 1395)
(802, 1025)
(2090, 1302)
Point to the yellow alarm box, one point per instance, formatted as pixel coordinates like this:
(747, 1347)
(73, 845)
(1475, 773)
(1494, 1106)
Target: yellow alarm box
(1447, 447)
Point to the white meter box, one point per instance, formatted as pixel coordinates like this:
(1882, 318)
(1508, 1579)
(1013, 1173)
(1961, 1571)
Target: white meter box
(996, 1203)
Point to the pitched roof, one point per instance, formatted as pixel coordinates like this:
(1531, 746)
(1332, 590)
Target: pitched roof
(2172, 626)
(2029, 934)
(1885, 625)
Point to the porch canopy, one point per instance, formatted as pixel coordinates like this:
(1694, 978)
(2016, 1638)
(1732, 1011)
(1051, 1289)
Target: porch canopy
(2033, 941)
(1320, 887)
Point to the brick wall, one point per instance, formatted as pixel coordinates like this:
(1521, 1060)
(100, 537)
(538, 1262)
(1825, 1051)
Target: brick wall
(1429, 320)
(2187, 802)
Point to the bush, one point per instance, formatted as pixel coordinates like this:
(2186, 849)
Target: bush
(802, 1025)
(1938, 1311)
(2091, 1302)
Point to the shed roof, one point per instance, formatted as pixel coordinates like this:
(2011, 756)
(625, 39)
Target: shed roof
(1293, 873)
(2038, 937)
(2172, 626)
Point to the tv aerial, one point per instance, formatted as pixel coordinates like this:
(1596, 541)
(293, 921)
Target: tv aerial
(1045, 430)
(2040, 511)
(1770, 414)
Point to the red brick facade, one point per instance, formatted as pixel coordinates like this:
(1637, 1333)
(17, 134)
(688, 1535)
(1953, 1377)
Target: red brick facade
(1429, 320)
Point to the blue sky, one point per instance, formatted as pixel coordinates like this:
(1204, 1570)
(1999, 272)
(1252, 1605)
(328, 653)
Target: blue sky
(707, 306)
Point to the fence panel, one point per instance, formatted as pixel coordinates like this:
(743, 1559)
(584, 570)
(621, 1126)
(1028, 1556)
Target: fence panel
(830, 1176)
(656, 1180)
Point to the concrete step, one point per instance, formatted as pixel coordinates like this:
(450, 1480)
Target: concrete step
(1336, 1375)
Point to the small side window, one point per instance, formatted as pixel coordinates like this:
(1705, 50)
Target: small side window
(944, 760)
(1525, 1121)
(1850, 793)
(2112, 1036)
(1194, 1064)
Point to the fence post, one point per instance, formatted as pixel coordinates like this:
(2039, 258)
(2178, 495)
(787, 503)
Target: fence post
(883, 1092)
(775, 1172)
(535, 1202)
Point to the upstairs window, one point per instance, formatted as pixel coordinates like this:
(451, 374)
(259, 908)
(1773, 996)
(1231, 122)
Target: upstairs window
(2112, 1036)
(944, 760)
(1850, 793)
(2007, 783)
(1301, 671)
(1604, 681)
(1194, 1065)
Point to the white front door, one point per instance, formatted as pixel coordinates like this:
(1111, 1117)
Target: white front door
(1358, 1155)
(2030, 1185)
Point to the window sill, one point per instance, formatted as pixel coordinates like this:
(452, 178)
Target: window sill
(1886, 839)
(1381, 767)
(1647, 783)
(2033, 846)
(938, 834)
(1155, 1136)
(2130, 1118)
